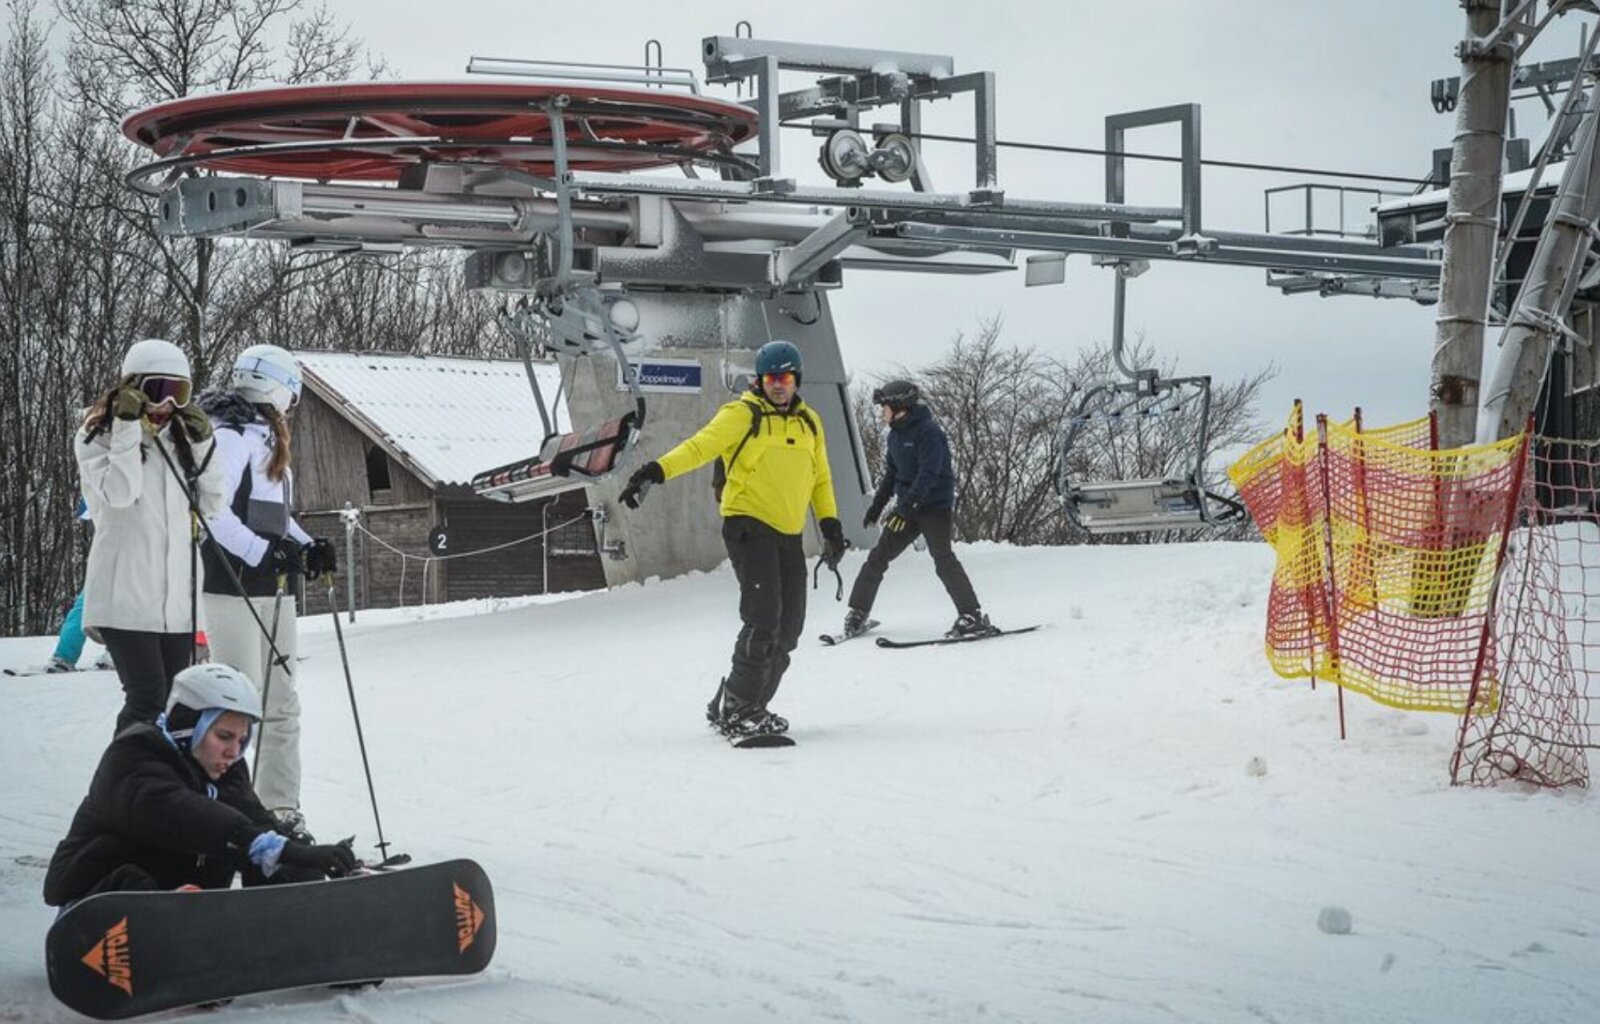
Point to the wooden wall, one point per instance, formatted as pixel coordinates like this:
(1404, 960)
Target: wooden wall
(476, 524)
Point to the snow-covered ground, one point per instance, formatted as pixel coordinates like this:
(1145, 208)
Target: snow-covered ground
(1051, 827)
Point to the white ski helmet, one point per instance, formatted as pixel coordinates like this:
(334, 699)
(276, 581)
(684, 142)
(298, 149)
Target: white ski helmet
(155, 357)
(215, 685)
(267, 375)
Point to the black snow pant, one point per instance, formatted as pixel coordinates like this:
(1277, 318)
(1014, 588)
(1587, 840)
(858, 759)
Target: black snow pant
(936, 524)
(146, 663)
(771, 568)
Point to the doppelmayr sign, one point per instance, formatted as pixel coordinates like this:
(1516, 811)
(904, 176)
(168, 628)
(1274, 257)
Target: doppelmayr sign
(664, 375)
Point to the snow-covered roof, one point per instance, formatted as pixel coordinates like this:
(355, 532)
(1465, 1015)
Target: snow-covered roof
(1511, 184)
(448, 418)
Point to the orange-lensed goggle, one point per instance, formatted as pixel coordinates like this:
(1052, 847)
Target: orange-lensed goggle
(786, 378)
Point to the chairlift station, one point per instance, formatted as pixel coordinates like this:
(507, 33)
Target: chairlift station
(534, 169)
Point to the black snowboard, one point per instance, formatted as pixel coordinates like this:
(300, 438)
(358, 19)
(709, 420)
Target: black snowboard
(121, 954)
(761, 739)
(835, 639)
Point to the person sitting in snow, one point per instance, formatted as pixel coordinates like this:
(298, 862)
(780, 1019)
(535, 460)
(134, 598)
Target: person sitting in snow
(171, 804)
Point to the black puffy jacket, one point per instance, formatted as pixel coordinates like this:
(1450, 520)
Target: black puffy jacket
(917, 468)
(149, 806)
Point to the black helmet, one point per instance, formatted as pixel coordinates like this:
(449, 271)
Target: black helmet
(897, 395)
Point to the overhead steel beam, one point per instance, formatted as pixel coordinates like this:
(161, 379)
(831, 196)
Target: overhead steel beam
(723, 54)
(1129, 248)
(792, 265)
(603, 183)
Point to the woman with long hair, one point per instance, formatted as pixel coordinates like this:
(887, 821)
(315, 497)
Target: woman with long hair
(254, 559)
(145, 458)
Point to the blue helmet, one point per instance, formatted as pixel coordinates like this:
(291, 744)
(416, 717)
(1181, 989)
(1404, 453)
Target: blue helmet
(778, 357)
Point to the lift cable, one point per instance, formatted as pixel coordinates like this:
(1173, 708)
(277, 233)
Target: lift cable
(1087, 151)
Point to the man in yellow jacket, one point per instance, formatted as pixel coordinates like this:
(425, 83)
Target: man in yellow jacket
(776, 460)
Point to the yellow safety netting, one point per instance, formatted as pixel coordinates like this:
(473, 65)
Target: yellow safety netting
(1387, 550)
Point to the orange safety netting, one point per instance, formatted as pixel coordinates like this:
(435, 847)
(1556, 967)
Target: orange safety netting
(1387, 555)
(1539, 724)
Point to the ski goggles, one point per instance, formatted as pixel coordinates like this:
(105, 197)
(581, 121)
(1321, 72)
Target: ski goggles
(786, 378)
(160, 389)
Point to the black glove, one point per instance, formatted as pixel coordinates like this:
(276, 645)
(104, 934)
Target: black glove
(333, 861)
(640, 483)
(833, 543)
(319, 557)
(901, 518)
(283, 557)
(195, 422)
(874, 511)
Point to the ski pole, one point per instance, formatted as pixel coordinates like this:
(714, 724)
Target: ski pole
(355, 712)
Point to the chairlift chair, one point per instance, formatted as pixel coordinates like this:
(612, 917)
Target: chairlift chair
(1176, 500)
(567, 460)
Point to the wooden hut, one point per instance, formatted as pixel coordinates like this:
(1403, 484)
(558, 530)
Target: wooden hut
(385, 448)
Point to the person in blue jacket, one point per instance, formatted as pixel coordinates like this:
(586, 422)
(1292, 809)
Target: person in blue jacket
(919, 476)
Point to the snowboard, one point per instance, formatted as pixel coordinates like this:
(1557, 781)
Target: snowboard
(834, 639)
(121, 954)
(760, 740)
(884, 641)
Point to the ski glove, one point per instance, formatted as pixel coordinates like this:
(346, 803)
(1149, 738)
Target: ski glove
(833, 543)
(127, 402)
(332, 861)
(640, 482)
(320, 557)
(901, 519)
(195, 422)
(284, 557)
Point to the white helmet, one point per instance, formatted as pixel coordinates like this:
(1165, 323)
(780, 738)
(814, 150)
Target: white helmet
(215, 685)
(267, 375)
(156, 357)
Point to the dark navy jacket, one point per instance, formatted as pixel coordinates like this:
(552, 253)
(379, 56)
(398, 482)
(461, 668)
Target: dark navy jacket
(917, 465)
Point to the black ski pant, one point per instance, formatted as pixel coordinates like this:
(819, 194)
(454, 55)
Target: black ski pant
(146, 663)
(937, 525)
(771, 568)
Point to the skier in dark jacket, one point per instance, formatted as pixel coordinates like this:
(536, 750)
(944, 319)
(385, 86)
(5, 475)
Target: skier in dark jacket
(171, 805)
(919, 476)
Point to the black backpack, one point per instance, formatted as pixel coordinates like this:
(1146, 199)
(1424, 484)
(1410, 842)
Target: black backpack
(719, 470)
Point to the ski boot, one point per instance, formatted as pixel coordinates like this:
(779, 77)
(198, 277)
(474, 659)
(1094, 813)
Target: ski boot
(970, 624)
(855, 623)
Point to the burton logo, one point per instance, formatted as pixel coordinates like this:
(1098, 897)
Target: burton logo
(468, 918)
(109, 957)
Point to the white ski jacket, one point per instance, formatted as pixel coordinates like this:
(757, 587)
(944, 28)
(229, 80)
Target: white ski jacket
(140, 564)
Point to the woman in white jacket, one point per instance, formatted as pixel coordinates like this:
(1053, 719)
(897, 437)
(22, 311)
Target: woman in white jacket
(255, 533)
(143, 453)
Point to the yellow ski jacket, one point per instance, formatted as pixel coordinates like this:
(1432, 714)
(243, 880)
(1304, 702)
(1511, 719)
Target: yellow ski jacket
(773, 473)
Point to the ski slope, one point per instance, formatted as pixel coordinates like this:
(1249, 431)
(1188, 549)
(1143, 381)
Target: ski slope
(1059, 826)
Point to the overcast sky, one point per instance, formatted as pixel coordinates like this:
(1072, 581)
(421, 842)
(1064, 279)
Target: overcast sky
(1341, 86)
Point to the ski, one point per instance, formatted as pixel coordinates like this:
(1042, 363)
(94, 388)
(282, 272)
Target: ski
(884, 641)
(38, 670)
(834, 639)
